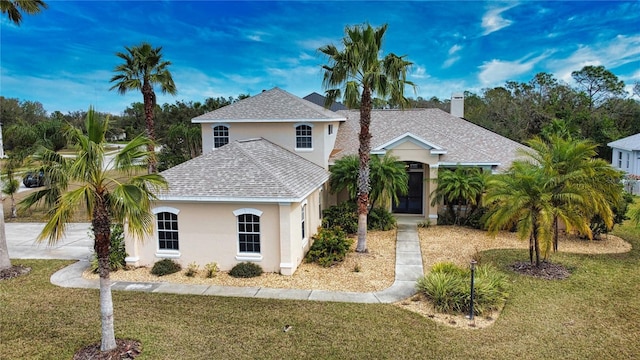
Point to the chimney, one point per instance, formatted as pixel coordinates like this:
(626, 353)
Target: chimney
(457, 104)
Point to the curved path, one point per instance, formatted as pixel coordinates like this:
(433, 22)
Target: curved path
(408, 270)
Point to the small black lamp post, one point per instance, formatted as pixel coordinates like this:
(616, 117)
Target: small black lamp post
(473, 270)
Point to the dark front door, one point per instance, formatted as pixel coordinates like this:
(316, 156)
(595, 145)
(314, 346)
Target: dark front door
(412, 202)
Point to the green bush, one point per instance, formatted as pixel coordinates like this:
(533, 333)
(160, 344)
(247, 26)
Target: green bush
(448, 286)
(117, 252)
(344, 215)
(246, 270)
(381, 219)
(165, 267)
(329, 246)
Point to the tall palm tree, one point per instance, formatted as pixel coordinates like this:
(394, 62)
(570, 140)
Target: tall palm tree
(83, 185)
(521, 199)
(458, 187)
(14, 8)
(143, 69)
(356, 74)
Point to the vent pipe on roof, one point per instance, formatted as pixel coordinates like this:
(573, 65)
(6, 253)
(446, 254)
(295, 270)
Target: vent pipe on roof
(457, 104)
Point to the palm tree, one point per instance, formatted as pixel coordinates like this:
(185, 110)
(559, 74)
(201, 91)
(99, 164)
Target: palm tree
(13, 8)
(144, 68)
(520, 199)
(356, 75)
(388, 177)
(581, 185)
(83, 185)
(11, 184)
(458, 187)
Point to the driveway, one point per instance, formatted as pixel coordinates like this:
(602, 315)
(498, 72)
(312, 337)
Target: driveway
(22, 244)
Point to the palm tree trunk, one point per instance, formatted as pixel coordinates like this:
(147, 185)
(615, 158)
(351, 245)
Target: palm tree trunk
(14, 211)
(5, 261)
(531, 249)
(555, 233)
(363, 173)
(102, 234)
(149, 104)
(536, 244)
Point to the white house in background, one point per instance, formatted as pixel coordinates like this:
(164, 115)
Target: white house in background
(626, 157)
(258, 191)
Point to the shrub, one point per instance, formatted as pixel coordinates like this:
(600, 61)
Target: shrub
(192, 269)
(211, 269)
(165, 267)
(447, 285)
(424, 224)
(117, 250)
(344, 215)
(246, 270)
(380, 219)
(329, 246)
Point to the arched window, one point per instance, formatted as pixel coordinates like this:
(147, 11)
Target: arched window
(303, 137)
(167, 227)
(248, 230)
(220, 136)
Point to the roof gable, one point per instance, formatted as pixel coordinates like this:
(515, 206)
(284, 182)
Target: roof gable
(275, 105)
(393, 143)
(630, 143)
(254, 170)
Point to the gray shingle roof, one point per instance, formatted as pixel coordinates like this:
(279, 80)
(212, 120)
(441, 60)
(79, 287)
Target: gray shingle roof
(463, 141)
(630, 143)
(248, 170)
(269, 106)
(319, 100)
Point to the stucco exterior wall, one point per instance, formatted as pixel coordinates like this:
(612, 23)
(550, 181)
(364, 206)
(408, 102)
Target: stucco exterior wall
(281, 133)
(208, 233)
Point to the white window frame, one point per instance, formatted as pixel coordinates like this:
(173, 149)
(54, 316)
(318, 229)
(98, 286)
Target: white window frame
(213, 132)
(619, 159)
(248, 256)
(166, 253)
(295, 128)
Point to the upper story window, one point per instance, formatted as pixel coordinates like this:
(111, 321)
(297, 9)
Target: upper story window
(330, 129)
(220, 136)
(167, 230)
(303, 137)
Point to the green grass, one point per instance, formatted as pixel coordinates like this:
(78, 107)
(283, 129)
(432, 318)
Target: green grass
(594, 314)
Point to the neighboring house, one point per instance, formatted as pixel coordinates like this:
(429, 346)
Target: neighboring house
(626, 157)
(258, 191)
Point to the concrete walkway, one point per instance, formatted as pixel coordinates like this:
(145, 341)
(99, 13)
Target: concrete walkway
(408, 270)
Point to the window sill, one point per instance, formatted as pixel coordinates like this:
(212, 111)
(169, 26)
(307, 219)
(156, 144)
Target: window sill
(168, 254)
(304, 149)
(249, 257)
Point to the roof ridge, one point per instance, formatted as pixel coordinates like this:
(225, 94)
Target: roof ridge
(265, 168)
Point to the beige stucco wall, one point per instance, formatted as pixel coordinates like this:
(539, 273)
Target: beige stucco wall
(280, 133)
(208, 233)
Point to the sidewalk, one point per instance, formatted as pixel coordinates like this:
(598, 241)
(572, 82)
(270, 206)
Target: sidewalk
(408, 270)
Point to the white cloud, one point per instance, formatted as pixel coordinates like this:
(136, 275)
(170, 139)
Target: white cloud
(454, 49)
(497, 71)
(450, 61)
(493, 21)
(612, 53)
(420, 73)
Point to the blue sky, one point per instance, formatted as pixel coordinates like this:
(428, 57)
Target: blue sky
(64, 57)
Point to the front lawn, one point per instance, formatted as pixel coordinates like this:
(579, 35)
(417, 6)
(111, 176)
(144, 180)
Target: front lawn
(594, 314)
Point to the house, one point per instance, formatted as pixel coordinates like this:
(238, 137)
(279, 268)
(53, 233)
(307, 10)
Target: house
(626, 157)
(258, 191)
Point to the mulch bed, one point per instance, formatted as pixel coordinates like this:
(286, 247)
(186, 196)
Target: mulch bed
(14, 271)
(546, 270)
(126, 349)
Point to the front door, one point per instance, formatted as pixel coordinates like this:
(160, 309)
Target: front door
(412, 202)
